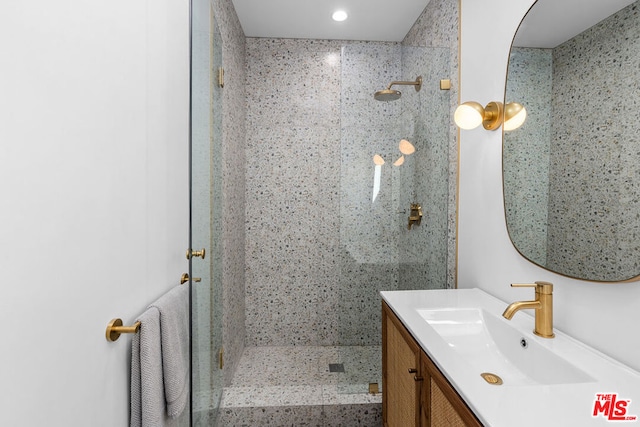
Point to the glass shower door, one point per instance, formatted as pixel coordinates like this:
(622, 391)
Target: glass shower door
(205, 181)
(379, 182)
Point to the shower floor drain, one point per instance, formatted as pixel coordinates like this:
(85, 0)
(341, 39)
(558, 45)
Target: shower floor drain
(336, 367)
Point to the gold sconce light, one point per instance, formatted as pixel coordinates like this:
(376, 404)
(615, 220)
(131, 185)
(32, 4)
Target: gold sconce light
(471, 114)
(514, 116)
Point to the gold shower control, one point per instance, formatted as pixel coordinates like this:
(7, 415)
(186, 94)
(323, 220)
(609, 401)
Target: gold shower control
(195, 254)
(415, 216)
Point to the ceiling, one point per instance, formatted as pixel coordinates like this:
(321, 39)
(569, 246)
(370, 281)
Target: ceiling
(550, 23)
(369, 20)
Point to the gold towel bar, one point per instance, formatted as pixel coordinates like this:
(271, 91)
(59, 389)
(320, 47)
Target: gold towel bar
(115, 328)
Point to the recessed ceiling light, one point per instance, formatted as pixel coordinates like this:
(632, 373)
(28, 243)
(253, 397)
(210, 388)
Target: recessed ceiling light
(339, 15)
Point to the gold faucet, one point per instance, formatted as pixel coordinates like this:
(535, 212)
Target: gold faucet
(543, 306)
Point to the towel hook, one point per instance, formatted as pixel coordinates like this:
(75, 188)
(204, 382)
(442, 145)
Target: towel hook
(115, 328)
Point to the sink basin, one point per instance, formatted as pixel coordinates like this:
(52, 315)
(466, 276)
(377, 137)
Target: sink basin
(491, 344)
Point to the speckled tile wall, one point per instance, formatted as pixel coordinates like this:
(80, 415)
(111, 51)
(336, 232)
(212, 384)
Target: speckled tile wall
(578, 213)
(292, 164)
(318, 250)
(526, 152)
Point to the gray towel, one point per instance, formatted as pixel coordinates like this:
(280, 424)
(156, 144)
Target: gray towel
(160, 361)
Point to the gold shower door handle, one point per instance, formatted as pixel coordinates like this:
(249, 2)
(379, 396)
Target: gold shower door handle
(185, 278)
(191, 253)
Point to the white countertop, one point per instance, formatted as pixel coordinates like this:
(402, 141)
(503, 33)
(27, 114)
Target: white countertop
(562, 405)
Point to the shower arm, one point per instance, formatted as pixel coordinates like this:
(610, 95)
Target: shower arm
(417, 84)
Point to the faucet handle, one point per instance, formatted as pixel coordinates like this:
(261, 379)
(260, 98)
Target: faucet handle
(541, 287)
(523, 285)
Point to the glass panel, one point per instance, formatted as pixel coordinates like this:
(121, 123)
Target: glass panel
(380, 179)
(206, 129)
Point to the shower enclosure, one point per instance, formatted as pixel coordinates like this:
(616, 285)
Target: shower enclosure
(327, 194)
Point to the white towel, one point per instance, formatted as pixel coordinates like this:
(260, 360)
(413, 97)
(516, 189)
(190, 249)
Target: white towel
(160, 361)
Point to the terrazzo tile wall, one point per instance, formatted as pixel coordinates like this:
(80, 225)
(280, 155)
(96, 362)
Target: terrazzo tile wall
(596, 188)
(526, 152)
(293, 175)
(315, 256)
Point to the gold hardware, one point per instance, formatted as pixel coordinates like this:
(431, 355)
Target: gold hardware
(115, 328)
(471, 114)
(185, 278)
(543, 306)
(221, 357)
(389, 94)
(221, 77)
(415, 216)
(373, 388)
(514, 116)
(195, 254)
(445, 84)
(491, 378)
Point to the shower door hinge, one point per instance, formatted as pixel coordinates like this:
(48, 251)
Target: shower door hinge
(445, 84)
(221, 357)
(221, 77)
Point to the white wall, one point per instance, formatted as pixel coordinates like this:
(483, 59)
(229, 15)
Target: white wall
(605, 316)
(93, 196)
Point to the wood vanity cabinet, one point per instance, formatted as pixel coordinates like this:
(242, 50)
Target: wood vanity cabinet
(414, 391)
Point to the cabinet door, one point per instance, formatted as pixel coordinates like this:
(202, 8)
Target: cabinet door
(442, 406)
(401, 374)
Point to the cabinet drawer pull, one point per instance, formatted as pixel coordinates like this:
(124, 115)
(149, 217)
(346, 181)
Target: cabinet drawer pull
(413, 370)
(417, 378)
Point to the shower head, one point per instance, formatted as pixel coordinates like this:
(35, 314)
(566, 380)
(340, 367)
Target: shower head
(389, 94)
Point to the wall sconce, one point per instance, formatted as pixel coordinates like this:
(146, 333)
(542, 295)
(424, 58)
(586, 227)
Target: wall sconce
(471, 114)
(514, 116)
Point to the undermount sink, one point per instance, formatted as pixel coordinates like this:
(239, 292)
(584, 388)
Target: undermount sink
(492, 345)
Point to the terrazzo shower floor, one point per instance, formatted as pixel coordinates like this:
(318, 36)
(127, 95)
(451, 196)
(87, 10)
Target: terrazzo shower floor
(294, 386)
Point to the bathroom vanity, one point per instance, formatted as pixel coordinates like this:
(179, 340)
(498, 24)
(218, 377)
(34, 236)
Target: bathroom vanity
(419, 394)
(451, 359)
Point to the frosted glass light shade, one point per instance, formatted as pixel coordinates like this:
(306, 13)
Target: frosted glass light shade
(514, 116)
(469, 115)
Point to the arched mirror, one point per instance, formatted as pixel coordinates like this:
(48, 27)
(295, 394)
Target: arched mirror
(572, 171)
